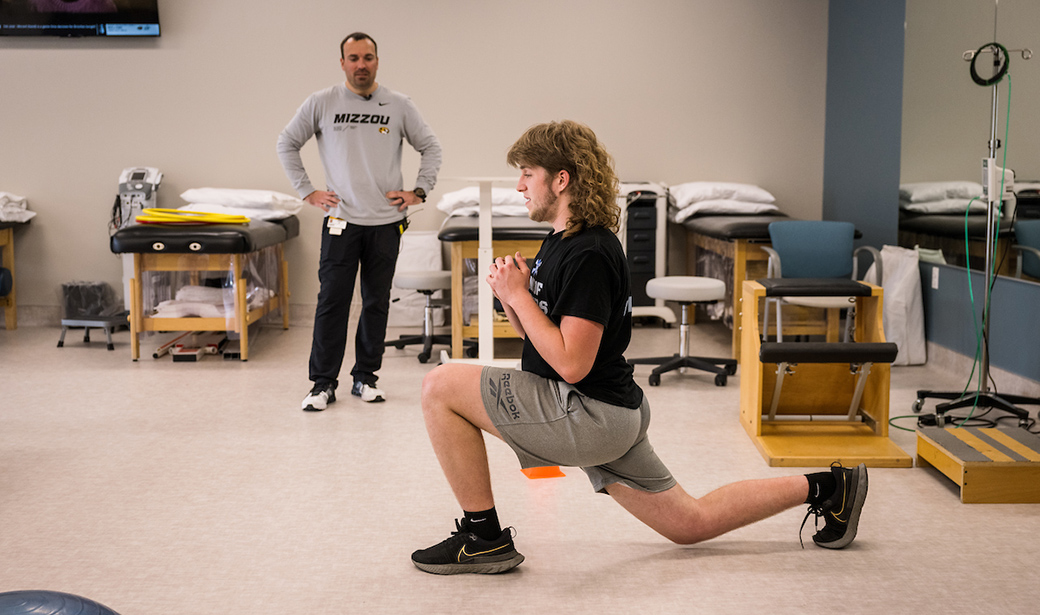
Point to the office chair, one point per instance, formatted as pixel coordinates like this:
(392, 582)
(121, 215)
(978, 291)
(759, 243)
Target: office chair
(427, 283)
(814, 249)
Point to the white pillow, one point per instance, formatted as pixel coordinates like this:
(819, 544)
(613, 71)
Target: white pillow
(945, 206)
(232, 197)
(938, 191)
(693, 192)
(470, 197)
(722, 206)
(253, 213)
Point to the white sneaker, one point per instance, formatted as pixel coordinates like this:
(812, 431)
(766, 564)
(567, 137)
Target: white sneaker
(367, 393)
(319, 398)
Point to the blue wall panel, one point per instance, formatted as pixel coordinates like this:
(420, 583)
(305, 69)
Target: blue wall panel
(863, 128)
(1014, 325)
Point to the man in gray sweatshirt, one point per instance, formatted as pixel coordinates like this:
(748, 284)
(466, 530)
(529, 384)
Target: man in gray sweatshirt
(360, 127)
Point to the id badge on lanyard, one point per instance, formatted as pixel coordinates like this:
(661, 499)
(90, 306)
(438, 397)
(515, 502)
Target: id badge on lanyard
(336, 225)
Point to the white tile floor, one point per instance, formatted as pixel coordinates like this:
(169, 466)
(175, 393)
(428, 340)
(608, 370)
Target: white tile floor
(163, 488)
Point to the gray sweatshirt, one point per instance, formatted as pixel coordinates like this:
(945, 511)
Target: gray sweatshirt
(360, 143)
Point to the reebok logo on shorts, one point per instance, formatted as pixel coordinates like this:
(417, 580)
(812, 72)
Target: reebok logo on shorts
(503, 392)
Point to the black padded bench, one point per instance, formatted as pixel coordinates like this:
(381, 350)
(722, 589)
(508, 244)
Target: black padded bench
(946, 232)
(164, 248)
(203, 239)
(823, 352)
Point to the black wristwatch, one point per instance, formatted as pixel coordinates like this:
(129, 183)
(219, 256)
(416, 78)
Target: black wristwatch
(419, 192)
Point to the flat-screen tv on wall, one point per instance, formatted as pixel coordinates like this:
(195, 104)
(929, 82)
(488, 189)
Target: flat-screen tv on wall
(109, 18)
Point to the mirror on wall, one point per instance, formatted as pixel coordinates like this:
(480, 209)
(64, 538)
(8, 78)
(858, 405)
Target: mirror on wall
(948, 120)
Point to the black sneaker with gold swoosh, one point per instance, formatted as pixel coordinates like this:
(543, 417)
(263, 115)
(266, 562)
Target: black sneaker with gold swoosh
(841, 511)
(465, 552)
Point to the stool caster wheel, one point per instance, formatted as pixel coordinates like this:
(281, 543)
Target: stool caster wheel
(397, 345)
(720, 380)
(731, 369)
(423, 357)
(917, 406)
(472, 352)
(655, 379)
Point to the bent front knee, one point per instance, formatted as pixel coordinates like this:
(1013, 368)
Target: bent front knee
(432, 387)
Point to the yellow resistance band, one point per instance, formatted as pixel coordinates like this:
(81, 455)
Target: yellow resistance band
(179, 216)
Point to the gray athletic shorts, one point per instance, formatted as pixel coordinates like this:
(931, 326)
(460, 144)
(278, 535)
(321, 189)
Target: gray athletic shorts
(549, 423)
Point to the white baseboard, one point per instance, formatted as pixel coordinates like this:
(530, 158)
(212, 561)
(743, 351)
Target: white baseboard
(39, 316)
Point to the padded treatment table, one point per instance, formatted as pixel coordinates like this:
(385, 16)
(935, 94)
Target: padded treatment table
(229, 248)
(946, 232)
(738, 239)
(509, 235)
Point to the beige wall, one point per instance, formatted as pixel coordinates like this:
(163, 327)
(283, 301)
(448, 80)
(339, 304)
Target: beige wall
(946, 116)
(679, 90)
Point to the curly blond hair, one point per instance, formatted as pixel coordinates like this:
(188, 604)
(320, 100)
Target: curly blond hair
(573, 147)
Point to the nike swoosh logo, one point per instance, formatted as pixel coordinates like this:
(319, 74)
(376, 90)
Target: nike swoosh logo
(383, 104)
(844, 507)
(463, 553)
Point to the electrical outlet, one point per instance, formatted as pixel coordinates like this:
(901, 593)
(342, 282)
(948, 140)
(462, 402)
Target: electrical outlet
(935, 278)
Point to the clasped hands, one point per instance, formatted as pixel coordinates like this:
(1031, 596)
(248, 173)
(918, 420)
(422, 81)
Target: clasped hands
(508, 275)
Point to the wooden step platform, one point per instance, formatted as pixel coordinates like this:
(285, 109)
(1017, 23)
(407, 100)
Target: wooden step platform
(816, 445)
(990, 465)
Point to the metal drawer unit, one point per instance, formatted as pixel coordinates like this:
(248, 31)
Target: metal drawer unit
(643, 232)
(641, 245)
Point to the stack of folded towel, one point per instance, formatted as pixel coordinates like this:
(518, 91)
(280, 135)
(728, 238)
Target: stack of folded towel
(14, 208)
(207, 302)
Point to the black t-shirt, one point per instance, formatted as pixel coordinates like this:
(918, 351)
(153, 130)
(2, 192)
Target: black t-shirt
(586, 275)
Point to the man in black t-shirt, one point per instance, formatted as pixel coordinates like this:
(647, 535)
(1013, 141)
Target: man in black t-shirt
(575, 403)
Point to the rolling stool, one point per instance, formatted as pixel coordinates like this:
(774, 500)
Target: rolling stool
(427, 283)
(687, 290)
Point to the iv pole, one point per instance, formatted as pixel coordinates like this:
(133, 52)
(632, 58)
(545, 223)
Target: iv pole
(983, 397)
